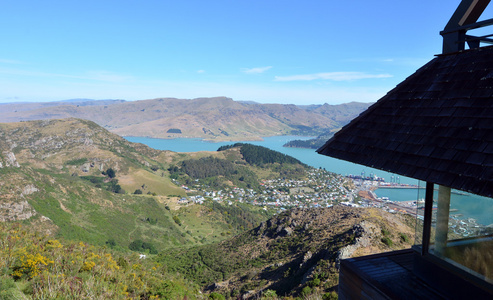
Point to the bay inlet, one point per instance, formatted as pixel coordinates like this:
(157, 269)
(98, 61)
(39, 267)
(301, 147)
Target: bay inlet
(480, 208)
(307, 156)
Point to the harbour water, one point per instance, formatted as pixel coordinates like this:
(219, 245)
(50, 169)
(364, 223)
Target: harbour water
(463, 205)
(480, 208)
(307, 156)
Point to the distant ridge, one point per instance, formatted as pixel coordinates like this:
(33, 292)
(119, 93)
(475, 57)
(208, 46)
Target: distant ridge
(218, 118)
(13, 107)
(90, 102)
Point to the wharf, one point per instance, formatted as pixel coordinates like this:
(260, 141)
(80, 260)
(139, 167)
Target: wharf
(400, 186)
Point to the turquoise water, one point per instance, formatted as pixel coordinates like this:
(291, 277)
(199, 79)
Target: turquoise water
(480, 208)
(467, 205)
(400, 194)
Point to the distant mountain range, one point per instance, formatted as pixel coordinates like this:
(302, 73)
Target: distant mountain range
(218, 118)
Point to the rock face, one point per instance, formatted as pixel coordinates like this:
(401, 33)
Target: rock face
(10, 160)
(85, 167)
(363, 234)
(16, 211)
(28, 190)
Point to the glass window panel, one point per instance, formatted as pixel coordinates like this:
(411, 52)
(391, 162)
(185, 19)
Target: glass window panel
(462, 231)
(420, 209)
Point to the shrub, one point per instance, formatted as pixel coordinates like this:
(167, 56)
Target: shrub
(110, 173)
(385, 232)
(216, 296)
(87, 266)
(170, 290)
(151, 221)
(330, 296)
(306, 291)
(404, 237)
(8, 289)
(387, 241)
(269, 294)
(111, 243)
(118, 189)
(138, 192)
(314, 282)
(56, 269)
(122, 262)
(140, 246)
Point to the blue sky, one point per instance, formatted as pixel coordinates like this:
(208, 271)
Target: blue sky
(269, 51)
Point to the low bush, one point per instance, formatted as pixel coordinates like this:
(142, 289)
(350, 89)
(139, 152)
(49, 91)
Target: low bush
(47, 268)
(404, 238)
(387, 241)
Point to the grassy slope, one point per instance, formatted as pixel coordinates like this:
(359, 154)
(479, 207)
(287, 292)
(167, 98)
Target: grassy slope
(268, 257)
(153, 182)
(52, 155)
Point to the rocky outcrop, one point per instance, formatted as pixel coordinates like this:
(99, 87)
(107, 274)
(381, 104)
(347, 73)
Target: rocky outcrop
(10, 160)
(16, 211)
(363, 235)
(28, 190)
(85, 167)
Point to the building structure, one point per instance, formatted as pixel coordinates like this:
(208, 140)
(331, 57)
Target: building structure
(436, 126)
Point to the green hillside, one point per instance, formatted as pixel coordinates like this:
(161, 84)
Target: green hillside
(94, 186)
(295, 253)
(240, 221)
(59, 171)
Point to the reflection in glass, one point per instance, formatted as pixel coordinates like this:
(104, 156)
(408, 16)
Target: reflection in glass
(459, 233)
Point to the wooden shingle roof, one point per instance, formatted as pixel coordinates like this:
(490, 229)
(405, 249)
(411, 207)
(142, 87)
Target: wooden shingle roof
(435, 126)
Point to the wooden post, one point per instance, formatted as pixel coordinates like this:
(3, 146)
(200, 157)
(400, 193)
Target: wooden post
(427, 218)
(443, 211)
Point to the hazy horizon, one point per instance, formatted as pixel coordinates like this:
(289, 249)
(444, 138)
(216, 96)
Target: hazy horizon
(286, 52)
(88, 100)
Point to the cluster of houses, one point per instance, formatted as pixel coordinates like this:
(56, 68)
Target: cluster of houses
(320, 189)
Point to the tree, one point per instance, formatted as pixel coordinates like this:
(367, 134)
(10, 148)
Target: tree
(138, 192)
(111, 173)
(141, 246)
(115, 187)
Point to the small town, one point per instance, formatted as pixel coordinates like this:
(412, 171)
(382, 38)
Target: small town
(324, 189)
(321, 189)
